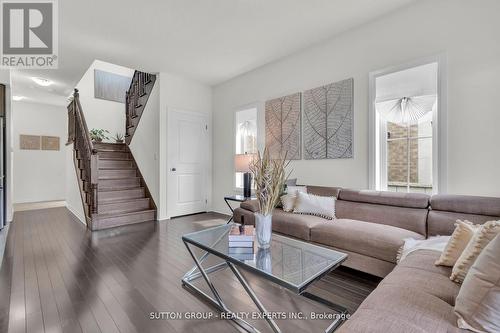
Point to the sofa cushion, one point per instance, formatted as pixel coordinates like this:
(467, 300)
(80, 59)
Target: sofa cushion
(442, 223)
(408, 277)
(394, 309)
(323, 191)
(410, 200)
(251, 205)
(424, 260)
(371, 239)
(296, 225)
(243, 216)
(414, 219)
(466, 204)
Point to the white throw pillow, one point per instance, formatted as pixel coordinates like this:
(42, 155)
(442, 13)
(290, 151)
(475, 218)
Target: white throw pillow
(315, 205)
(481, 238)
(464, 231)
(478, 302)
(288, 202)
(293, 190)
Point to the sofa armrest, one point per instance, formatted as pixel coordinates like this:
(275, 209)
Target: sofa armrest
(251, 205)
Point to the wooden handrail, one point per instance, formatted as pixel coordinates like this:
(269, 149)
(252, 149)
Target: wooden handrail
(86, 155)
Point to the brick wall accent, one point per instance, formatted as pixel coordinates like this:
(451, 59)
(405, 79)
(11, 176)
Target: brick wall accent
(397, 154)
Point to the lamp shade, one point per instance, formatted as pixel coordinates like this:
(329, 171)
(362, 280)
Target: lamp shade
(242, 162)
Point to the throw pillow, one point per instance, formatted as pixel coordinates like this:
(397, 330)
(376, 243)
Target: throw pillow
(478, 302)
(481, 238)
(315, 205)
(464, 230)
(288, 202)
(295, 189)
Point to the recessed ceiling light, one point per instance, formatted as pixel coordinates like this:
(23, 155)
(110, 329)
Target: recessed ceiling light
(41, 81)
(18, 98)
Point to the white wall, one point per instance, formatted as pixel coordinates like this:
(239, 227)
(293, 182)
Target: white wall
(464, 30)
(73, 197)
(39, 175)
(6, 79)
(179, 93)
(101, 113)
(145, 143)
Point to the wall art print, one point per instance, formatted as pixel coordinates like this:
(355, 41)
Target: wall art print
(283, 126)
(328, 121)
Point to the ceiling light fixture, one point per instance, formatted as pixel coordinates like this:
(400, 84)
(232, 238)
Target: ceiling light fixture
(41, 81)
(18, 98)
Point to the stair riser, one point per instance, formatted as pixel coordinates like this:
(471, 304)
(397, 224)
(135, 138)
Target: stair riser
(111, 222)
(115, 164)
(114, 154)
(113, 174)
(125, 194)
(127, 182)
(124, 207)
(113, 147)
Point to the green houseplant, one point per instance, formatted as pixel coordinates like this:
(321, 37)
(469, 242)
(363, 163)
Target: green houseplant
(98, 134)
(269, 177)
(119, 138)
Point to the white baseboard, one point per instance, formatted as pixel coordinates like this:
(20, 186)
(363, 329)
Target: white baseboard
(23, 206)
(76, 214)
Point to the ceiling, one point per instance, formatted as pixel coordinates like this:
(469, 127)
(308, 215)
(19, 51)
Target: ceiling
(209, 41)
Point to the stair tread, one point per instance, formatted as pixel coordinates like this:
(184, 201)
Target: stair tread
(120, 200)
(135, 212)
(124, 188)
(114, 159)
(109, 150)
(118, 168)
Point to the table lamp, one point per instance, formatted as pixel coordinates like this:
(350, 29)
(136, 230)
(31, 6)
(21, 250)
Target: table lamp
(242, 164)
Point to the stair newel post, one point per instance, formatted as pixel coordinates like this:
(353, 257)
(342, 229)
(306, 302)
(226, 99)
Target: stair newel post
(94, 180)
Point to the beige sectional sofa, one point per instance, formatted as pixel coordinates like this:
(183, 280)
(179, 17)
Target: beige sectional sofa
(415, 295)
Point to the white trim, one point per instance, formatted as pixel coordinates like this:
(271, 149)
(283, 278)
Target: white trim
(76, 214)
(440, 129)
(248, 106)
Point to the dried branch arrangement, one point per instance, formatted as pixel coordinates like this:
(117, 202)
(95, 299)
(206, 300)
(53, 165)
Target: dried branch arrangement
(270, 177)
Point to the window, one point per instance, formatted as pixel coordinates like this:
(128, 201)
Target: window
(409, 156)
(404, 151)
(246, 136)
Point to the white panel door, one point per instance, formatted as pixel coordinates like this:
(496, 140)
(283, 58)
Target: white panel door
(188, 147)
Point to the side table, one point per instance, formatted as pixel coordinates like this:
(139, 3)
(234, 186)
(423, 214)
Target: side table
(236, 198)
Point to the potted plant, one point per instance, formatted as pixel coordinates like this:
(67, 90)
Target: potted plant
(98, 134)
(119, 138)
(269, 177)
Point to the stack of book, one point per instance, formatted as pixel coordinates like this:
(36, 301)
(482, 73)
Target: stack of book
(241, 240)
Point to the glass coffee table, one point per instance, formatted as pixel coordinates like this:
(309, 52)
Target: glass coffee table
(289, 263)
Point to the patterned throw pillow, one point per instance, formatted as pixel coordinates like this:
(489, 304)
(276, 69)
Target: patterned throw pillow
(315, 205)
(478, 302)
(464, 231)
(481, 238)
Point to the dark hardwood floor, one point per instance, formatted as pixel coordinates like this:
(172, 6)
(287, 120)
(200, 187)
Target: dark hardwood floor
(59, 277)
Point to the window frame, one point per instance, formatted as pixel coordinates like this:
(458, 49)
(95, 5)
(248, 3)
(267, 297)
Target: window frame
(257, 107)
(377, 129)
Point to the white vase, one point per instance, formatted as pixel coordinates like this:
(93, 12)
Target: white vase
(263, 230)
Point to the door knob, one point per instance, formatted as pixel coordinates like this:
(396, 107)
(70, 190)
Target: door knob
(173, 169)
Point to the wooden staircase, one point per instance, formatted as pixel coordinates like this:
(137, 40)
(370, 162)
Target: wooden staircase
(123, 197)
(113, 190)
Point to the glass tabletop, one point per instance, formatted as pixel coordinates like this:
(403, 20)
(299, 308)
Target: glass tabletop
(291, 263)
